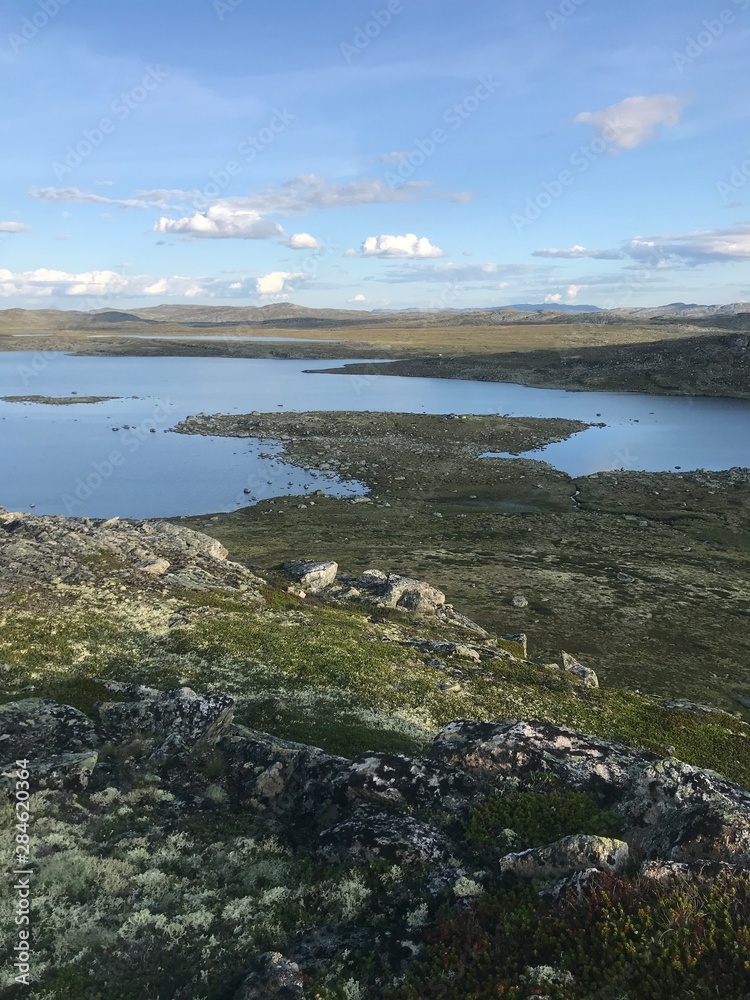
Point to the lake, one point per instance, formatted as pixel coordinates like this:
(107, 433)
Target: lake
(68, 459)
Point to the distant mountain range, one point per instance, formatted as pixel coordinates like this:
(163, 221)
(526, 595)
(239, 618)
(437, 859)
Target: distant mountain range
(290, 316)
(553, 307)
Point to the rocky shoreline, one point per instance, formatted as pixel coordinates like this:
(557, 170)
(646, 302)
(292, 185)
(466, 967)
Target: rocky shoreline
(642, 573)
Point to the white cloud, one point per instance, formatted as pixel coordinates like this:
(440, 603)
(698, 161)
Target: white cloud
(358, 298)
(276, 283)
(553, 299)
(45, 283)
(303, 241)
(712, 246)
(310, 192)
(351, 252)
(400, 246)
(635, 120)
(576, 252)
(14, 227)
(74, 195)
(394, 158)
(222, 222)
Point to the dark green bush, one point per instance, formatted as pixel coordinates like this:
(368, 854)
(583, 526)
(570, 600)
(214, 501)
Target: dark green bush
(540, 817)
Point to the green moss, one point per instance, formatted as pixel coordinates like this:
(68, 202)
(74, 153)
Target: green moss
(538, 818)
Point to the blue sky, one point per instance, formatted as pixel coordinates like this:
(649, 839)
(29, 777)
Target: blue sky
(384, 154)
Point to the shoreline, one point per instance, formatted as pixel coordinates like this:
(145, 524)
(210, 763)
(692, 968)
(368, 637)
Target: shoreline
(708, 365)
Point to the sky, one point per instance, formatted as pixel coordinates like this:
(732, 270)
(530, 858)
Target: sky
(387, 154)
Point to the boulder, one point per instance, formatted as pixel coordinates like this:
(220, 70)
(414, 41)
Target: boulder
(180, 717)
(67, 771)
(370, 835)
(274, 977)
(35, 728)
(685, 814)
(411, 783)
(585, 675)
(411, 595)
(312, 576)
(525, 751)
(280, 779)
(578, 853)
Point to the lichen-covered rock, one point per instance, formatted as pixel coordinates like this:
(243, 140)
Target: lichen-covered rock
(411, 595)
(527, 750)
(398, 781)
(585, 675)
(683, 813)
(35, 728)
(274, 977)
(68, 771)
(50, 549)
(312, 576)
(672, 871)
(572, 854)
(180, 716)
(369, 836)
(283, 779)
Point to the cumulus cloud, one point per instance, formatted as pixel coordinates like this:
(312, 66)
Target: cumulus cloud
(14, 227)
(358, 298)
(277, 283)
(568, 298)
(303, 241)
(635, 120)
(222, 221)
(45, 283)
(416, 248)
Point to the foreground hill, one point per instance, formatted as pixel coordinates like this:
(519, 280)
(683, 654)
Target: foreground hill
(251, 784)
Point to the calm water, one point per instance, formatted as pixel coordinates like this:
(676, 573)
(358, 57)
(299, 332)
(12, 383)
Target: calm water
(68, 459)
